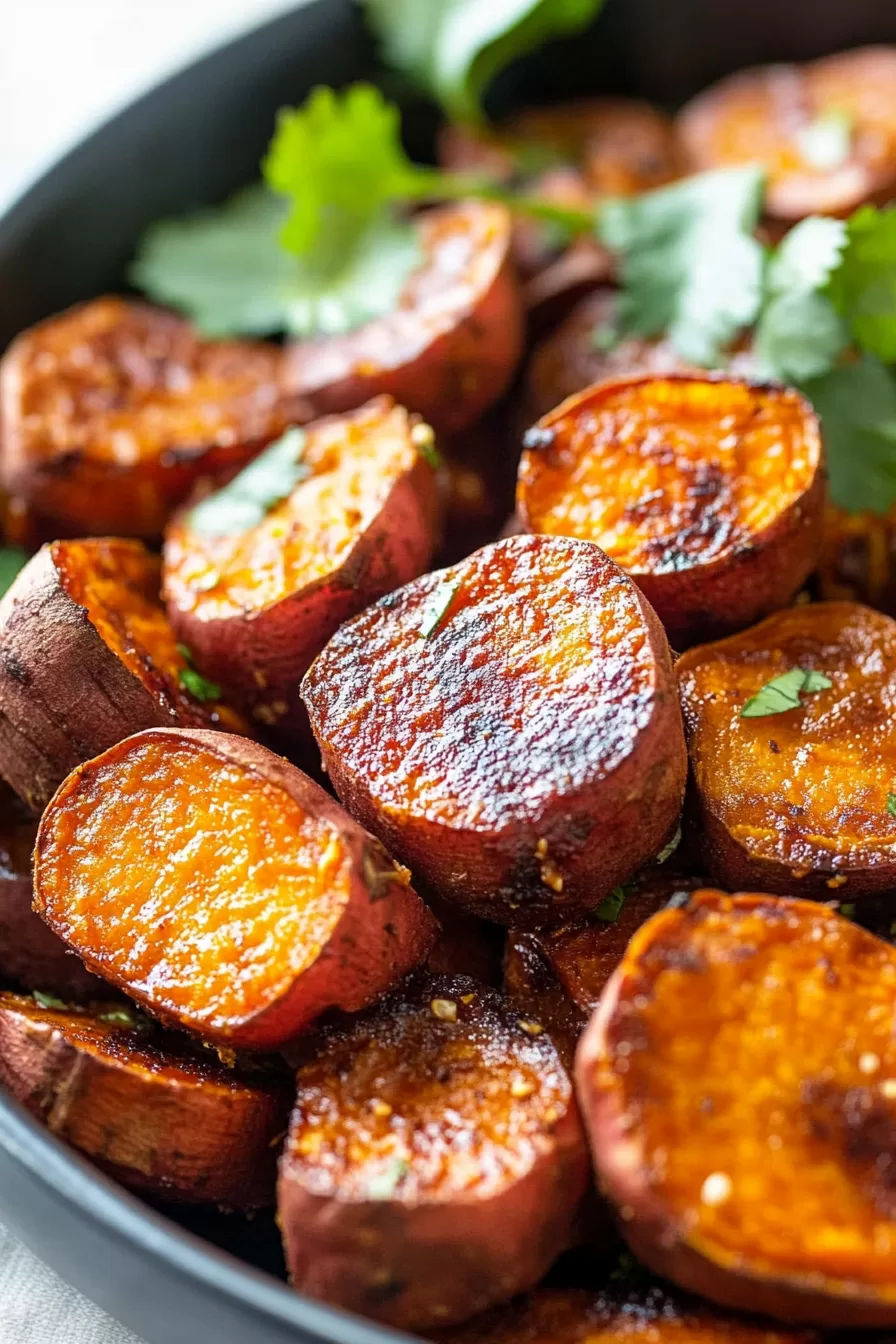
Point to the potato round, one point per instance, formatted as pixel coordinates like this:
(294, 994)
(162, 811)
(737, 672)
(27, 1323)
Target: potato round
(532, 984)
(738, 1086)
(709, 492)
(142, 1103)
(256, 606)
(506, 727)
(110, 413)
(858, 558)
(87, 657)
(435, 1158)
(796, 801)
(222, 889)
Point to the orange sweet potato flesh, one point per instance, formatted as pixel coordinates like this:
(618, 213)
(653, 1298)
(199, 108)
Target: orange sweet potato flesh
(525, 755)
(737, 1083)
(435, 1158)
(767, 115)
(255, 607)
(222, 888)
(796, 802)
(450, 347)
(858, 558)
(110, 413)
(155, 1113)
(87, 657)
(708, 492)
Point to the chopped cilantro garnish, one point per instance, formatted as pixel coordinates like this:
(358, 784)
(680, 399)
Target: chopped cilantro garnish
(48, 1000)
(12, 558)
(782, 693)
(437, 606)
(891, 804)
(249, 497)
(194, 682)
(609, 908)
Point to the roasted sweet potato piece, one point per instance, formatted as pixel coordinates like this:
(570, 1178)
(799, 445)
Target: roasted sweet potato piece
(796, 801)
(435, 1157)
(222, 888)
(531, 982)
(858, 558)
(449, 349)
(142, 1103)
(709, 492)
(255, 603)
(111, 411)
(465, 945)
(507, 727)
(737, 1083)
(87, 657)
(825, 132)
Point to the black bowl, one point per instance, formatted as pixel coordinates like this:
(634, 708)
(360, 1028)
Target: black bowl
(191, 141)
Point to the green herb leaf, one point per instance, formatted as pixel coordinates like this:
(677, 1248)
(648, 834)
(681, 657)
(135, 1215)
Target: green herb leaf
(424, 440)
(609, 908)
(12, 558)
(668, 850)
(847, 909)
(891, 804)
(799, 334)
(782, 693)
(816, 681)
(863, 289)
(122, 1017)
(826, 142)
(437, 606)
(48, 1000)
(249, 497)
(384, 1184)
(807, 256)
(857, 406)
(198, 686)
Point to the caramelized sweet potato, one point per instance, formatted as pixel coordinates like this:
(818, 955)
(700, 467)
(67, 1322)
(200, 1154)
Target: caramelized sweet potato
(435, 1158)
(532, 984)
(737, 1082)
(708, 492)
(508, 728)
(797, 801)
(153, 1112)
(465, 945)
(825, 132)
(111, 411)
(222, 888)
(858, 558)
(449, 349)
(255, 605)
(87, 657)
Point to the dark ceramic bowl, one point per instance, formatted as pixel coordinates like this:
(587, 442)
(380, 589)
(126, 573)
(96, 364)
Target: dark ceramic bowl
(191, 141)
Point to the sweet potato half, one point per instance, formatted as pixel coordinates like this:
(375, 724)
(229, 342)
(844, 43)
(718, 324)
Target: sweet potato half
(435, 1158)
(709, 492)
(256, 603)
(738, 1086)
(858, 558)
(87, 657)
(450, 348)
(111, 411)
(143, 1104)
(222, 888)
(796, 802)
(507, 727)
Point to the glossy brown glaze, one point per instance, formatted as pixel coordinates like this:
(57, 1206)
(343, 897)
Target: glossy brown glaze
(526, 755)
(531, 982)
(858, 558)
(435, 1158)
(796, 802)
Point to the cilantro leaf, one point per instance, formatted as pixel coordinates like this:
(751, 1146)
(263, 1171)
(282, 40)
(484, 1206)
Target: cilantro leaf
(48, 1001)
(608, 910)
(857, 406)
(248, 498)
(782, 693)
(891, 804)
(194, 682)
(668, 850)
(807, 256)
(863, 289)
(12, 558)
(799, 334)
(437, 606)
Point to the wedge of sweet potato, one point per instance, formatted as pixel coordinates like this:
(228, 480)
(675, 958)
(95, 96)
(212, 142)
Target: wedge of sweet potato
(797, 801)
(507, 727)
(87, 657)
(222, 888)
(142, 1103)
(858, 558)
(256, 602)
(825, 132)
(709, 492)
(435, 1157)
(451, 346)
(110, 413)
(738, 1085)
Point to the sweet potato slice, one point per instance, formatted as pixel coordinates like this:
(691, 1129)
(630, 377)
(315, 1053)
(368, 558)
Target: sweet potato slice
(256, 603)
(708, 492)
(858, 558)
(110, 413)
(222, 888)
(142, 1103)
(87, 657)
(450, 348)
(796, 801)
(507, 727)
(825, 132)
(531, 982)
(737, 1083)
(435, 1158)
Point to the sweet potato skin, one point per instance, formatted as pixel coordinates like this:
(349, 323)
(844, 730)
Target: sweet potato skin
(152, 1112)
(382, 932)
(531, 982)
(524, 852)
(487, 1176)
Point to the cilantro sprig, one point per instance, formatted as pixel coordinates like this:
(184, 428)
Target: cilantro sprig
(248, 498)
(193, 682)
(785, 692)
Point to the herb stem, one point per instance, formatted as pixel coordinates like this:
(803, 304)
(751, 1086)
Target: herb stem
(430, 182)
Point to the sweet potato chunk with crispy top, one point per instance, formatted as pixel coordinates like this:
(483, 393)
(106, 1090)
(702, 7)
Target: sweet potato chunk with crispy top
(151, 1110)
(256, 603)
(797, 800)
(708, 492)
(222, 889)
(87, 657)
(507, 727)
(435, 1159)
(739, 1085)
(110, 413)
